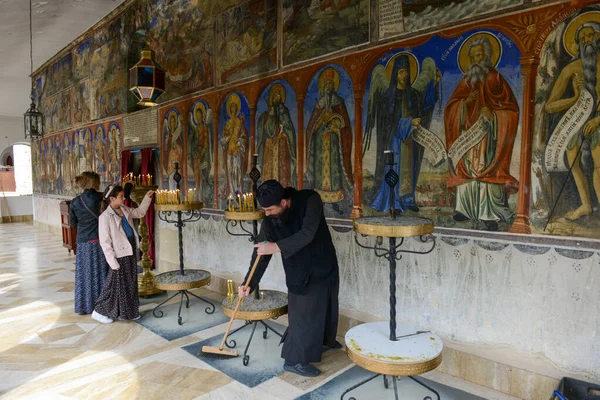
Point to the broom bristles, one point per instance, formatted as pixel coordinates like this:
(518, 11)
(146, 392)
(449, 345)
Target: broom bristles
(217, 350)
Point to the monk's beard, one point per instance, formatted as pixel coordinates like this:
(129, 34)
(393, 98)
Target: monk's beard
(589, 62)
(477, 72)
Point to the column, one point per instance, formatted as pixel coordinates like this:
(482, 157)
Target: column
(529, 66)
(301, 145)
(359, 92)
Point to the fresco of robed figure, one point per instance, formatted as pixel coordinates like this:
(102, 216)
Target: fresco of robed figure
(234, 144)
(276, 135)
(329, 142)
(400, 98)
(172, 150)
(199, 150)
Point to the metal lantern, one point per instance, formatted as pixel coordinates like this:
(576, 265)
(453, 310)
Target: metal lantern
(34, 122)
(147, 80)
(33, 118)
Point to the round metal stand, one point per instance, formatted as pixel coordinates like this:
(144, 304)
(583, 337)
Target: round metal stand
(392, 360)
(254, 310)
(183, 279)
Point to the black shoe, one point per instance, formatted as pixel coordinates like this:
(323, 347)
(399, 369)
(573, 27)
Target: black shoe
(491, 226)
(336, 346)
(302, 369)
(413, 208)
(459, 217)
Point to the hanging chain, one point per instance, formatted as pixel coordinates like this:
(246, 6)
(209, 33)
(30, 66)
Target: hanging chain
(31, 48)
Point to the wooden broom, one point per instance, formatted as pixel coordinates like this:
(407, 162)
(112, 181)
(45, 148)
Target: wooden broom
(221, 350)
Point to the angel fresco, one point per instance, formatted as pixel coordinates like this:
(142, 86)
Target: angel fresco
(329, 141)
(234, 142)
(199, 145)
(276, 139)
(114, 159)
(400, 98)
(172, 134)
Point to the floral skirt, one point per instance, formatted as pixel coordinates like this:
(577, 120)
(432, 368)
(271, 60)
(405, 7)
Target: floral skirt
(119, 298)
(91, 269)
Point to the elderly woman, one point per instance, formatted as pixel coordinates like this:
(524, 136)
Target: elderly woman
(91, 267)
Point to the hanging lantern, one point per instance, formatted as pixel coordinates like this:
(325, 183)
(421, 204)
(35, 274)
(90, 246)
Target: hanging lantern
(147, 80)
(34, 122)
(33, 118)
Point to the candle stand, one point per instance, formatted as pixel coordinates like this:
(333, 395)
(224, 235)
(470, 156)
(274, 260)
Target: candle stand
(394, 349)
(257, 309)
(146, 284)
(183, 279)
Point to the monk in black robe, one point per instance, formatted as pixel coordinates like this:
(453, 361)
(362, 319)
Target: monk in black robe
(295, 226)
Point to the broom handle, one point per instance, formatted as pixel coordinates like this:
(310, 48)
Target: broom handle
(239, 302)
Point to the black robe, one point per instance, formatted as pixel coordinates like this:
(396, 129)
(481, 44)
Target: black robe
(312, 276)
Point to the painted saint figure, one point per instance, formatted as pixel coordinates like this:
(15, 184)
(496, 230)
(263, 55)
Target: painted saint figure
(76, 154)
(582, 73)
(398, 102)
(235, 146)
(87, 149)
(329, 142)
(172, 136)
(199, 147)
(67, 162)
(276, 145)
(100, 151)
(482, 175)
(114, 163)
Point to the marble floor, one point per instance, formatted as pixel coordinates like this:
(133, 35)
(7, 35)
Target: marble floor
(49, 352)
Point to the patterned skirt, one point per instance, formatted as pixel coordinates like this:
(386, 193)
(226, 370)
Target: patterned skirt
(90, 273)
(119, 298)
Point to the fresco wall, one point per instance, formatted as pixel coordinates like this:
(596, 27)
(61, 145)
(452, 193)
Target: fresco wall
(474, 112)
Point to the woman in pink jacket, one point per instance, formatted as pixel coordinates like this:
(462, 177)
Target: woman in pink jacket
(119, 242)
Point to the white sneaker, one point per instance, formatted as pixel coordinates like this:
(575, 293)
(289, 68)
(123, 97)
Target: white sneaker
(101, 318)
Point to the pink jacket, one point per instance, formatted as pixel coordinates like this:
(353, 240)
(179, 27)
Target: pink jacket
(113, 239)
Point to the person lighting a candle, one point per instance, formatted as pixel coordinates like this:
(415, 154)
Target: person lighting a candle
(295, 227)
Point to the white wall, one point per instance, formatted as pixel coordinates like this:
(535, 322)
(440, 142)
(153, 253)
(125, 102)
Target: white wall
(16, 205)
(22, 160)
(11, 131)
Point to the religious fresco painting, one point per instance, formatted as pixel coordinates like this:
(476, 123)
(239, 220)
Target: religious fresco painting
(86, 146)
(172, 135)
(57, 158)
(182, 37)
(78, 155)
(100, 155)
(234, 147)
(67, 163)
(566, 146)
(200, 140)
(329, 123)
(246, 40)
(114, 152)
(450, 112)
(36, 166)
(49, 107)
(425, 14)
(108, 81)
(59, 75)
(81, 60)
(276, 133)
(81, 103)
(315, 28)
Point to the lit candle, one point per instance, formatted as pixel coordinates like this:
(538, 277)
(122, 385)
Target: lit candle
(262, 295)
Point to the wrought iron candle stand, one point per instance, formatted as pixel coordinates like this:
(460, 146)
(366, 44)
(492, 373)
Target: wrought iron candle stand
(235, 219)
(184, 279)
(373, 346)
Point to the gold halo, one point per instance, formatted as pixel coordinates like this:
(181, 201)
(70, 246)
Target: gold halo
(233, 99)
(277, 86)
(169, 115)
(199, 105)
(463, 53)
(325, 77)
(569, 42)
(413, 62)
